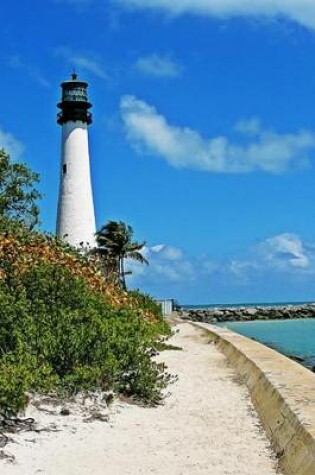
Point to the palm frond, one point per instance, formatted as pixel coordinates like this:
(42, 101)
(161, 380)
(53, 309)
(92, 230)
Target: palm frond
(115, 241)
(137, 256)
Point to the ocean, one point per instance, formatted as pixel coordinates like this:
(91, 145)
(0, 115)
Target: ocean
(253, 304)
(294, 338)
(291, 337)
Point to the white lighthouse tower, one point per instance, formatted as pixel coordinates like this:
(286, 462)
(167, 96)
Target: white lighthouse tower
(75, 217)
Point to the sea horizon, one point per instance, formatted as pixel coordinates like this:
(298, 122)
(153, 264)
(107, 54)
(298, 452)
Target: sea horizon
(248, 304)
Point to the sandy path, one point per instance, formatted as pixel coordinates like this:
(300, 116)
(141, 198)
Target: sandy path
(206, 426)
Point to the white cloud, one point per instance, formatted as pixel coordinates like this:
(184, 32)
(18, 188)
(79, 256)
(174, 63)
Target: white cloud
(183, 147)
(301, 11)
(285, 251)
(283, 256)
(160, 66)
(240, 268)
(10, 144)
(248, 127)
(166, 263)
(166, 252)
(86, 62)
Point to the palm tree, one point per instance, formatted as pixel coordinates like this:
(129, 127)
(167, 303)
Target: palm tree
(115, 243)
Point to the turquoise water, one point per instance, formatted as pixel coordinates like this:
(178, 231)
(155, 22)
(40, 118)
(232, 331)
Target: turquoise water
(291, 337)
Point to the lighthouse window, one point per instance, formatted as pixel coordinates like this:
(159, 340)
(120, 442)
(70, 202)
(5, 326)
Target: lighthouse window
(64, 168)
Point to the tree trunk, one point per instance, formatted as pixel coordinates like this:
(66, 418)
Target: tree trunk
(122, 273)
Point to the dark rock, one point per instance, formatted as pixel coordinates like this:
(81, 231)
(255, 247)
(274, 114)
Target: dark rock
(298, 359)
(218, 313)
(228, 314)
(65, 411)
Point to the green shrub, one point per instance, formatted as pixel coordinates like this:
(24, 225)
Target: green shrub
(147, 303)
(56, 333)
(19, 373)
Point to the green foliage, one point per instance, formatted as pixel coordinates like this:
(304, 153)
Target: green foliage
(146, 303)
(57, 333)
(18, 195)
(63, 328)
(18, 374)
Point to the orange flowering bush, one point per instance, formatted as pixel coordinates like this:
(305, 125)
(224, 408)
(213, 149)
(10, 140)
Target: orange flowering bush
(21, 250)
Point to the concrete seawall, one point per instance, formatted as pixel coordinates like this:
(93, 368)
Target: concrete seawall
(283, 393)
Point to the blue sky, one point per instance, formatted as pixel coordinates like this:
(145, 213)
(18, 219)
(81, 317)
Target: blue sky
(203, 136)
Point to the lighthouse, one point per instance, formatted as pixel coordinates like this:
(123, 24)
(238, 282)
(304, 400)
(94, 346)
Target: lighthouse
(75, 216)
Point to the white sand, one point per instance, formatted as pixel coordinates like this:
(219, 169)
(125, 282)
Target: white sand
(206, 426)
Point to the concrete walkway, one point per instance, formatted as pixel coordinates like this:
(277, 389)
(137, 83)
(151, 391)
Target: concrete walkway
(207, 426)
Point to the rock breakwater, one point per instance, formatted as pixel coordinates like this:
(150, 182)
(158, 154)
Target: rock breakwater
(245, 314)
